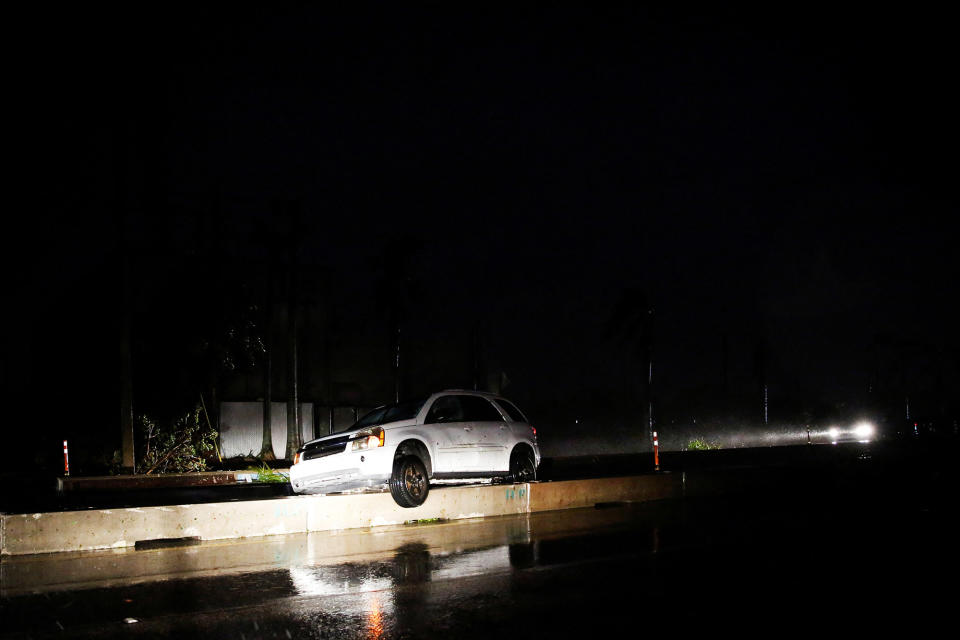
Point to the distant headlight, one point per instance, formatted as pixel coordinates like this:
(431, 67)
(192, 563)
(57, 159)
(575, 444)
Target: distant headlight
(834, 433)
(368, 440)
(864, 430)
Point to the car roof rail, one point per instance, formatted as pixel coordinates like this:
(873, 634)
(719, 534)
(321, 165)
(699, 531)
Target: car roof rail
(485, 393)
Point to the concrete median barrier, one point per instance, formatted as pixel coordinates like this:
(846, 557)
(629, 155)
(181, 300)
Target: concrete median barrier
(118, 528)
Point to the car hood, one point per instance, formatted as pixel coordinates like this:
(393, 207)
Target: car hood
(350, 433)
(339, 435)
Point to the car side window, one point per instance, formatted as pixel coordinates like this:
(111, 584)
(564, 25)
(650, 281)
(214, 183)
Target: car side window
(477, 409)
(445, 409)
(511, 410)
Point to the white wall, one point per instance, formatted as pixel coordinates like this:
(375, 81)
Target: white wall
(241, 427)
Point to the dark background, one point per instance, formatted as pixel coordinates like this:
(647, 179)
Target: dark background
(507, 187)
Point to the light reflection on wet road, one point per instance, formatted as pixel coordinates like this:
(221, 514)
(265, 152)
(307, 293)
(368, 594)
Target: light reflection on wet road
(863, 557)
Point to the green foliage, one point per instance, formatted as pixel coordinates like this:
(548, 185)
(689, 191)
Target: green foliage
(266, 474)
(701, 444)
(181, 446)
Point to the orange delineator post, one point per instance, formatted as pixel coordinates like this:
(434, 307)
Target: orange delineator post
(656, 452)
(66, 460)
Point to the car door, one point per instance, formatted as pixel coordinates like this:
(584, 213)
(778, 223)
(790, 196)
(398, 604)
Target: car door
(455, 438)
(488, 432)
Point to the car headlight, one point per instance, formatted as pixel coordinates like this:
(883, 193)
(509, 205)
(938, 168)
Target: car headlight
(367, 440)
(864, 430)
(834, 433)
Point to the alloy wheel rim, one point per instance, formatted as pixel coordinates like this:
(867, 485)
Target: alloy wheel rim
(414, 481)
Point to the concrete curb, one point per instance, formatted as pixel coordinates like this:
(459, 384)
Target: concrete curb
(22, 534)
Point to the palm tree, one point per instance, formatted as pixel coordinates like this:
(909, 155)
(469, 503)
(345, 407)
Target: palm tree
(294, 439)
(291, 235)
(266, 446)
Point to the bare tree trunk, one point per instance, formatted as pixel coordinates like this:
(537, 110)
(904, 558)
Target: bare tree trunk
(646, 329)
(128, 460)
(760, 368)
(476, 357)
(122, 169)
(725, 366)
(648, 388)
(396, 364)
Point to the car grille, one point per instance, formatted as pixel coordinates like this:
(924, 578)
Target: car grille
(325, 448)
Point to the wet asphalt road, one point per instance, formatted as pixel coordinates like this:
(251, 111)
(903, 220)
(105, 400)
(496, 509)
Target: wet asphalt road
(874, 548)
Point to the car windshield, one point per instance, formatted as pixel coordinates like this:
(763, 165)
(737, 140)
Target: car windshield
(390, 413)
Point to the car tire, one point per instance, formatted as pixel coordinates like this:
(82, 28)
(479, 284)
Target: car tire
(409, 484)
(522, 466)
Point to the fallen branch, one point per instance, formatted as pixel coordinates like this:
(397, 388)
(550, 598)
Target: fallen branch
(169, 453)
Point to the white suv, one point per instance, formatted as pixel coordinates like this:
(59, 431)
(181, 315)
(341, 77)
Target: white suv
(451, 435)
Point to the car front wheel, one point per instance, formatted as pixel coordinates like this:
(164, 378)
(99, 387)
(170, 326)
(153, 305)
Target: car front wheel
(409, 484)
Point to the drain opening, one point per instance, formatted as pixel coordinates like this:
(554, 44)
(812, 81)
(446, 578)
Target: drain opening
(610, 505)
(163, 543)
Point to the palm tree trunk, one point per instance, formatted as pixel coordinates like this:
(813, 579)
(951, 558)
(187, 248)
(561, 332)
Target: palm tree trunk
(293, 407)
(266, 447)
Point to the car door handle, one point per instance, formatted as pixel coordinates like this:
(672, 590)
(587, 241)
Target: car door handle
(468, 428)
(503, 426)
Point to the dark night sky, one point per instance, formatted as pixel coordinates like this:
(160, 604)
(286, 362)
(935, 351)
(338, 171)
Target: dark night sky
(784, 178)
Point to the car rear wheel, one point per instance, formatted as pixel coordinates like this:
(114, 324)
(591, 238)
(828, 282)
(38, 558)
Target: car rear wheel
(409, 484)
(522, 466)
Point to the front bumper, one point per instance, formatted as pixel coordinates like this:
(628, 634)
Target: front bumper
(351, 479)
(343, 471)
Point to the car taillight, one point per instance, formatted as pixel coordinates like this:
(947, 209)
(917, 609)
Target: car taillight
(534, 430)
